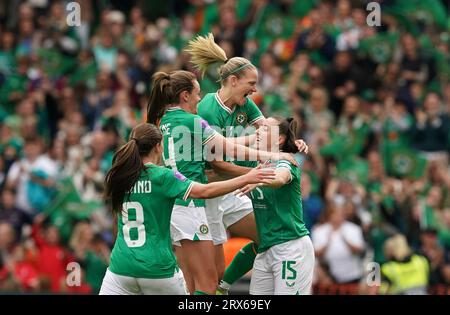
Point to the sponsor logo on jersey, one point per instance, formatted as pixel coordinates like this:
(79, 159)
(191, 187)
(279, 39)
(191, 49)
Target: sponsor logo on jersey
(204, 229)
(179, 176)
(203, 123)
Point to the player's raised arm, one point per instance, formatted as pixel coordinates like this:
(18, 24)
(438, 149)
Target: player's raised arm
(244, 153)
(282, 177)
(211, 190)
(229, 170)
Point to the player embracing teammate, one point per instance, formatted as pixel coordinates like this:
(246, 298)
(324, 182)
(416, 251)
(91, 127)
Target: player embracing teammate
(231, 110)
(195, 224)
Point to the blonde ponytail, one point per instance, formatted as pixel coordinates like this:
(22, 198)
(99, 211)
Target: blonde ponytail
(205, 52)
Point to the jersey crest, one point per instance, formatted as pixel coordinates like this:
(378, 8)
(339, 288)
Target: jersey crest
(241, 118)
(204, 229)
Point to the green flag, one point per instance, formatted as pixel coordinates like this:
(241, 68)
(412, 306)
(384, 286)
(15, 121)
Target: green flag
(85, 73)
(68, 207)
(379, 48)
(15, 83)
(56, 64)
(429, 11)
(302, 8)
(346, 140)
(403, 161)
(276, 106)
(353, 169)
(271, 23)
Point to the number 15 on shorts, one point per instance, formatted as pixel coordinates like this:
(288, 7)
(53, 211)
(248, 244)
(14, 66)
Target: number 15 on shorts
(287, 271)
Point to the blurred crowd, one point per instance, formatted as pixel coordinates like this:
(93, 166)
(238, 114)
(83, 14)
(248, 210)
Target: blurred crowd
(373, 103)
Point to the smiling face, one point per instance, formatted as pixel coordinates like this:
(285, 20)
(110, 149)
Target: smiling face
(189, 100)
(243, 86)
(269, 138)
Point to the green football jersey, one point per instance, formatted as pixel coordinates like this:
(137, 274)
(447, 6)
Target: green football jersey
(279, 211)
(185, 136)
(143, 247)
(231, 123)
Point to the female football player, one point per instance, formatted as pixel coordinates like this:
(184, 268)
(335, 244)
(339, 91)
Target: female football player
(285, 261)
(232, 111)
(142, 195)
(173, 103)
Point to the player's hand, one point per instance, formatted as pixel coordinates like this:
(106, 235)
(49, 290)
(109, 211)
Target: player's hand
(246, 189)
(301, 146)
(260, 175)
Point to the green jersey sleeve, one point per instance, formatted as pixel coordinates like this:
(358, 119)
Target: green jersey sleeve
(201, 126)
(177, 185)
(287, 165)
(253, 112)
(208, 112)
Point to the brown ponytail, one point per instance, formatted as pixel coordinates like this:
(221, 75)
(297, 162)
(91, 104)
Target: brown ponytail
(166, 89)
(160, 96)
(127, 163)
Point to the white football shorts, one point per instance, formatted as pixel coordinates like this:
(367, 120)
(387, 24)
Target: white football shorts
(284, 269)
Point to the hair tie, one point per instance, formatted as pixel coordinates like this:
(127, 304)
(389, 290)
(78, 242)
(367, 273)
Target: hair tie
(226, 61)
(137, 142)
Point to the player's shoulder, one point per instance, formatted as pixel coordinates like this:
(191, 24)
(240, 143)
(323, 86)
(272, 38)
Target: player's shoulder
(209, 108)
(207, 101)
(179, 116)
(172, 176)
(249, 102)
(170, 115)
(194, 121)
(156, 173)
(174, 112)
(253, 111)
(164, 172)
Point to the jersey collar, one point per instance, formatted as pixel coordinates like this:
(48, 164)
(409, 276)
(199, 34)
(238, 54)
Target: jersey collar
(171, 109)
(221, 103)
